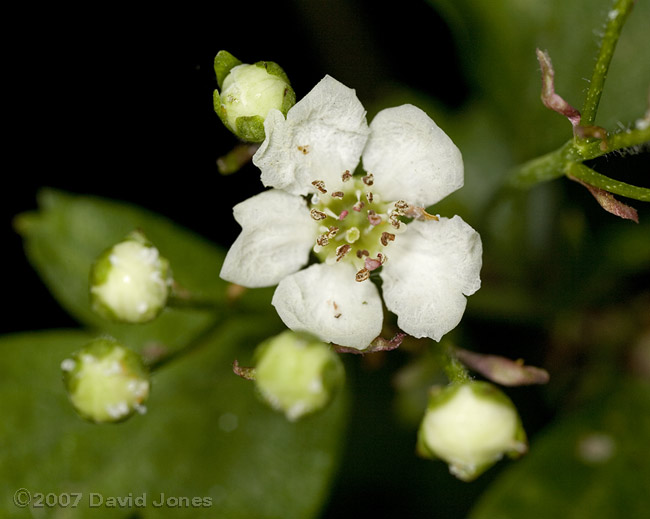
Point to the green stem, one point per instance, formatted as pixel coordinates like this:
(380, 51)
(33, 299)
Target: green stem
(544, 168)
(454, 369)
(589, 176)
(197, 341)
(555, 164)
(616, 19)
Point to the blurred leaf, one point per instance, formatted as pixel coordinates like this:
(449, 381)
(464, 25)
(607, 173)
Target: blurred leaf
(66, 235)
(594, 464)
(206, 435)
(497, 42)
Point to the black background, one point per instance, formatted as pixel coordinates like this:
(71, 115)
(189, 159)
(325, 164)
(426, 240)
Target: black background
(116, 101)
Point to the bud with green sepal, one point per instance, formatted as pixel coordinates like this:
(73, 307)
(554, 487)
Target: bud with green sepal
(296, 374)
(248, 92)
(470, 426)
(130, 282)
(106, 381)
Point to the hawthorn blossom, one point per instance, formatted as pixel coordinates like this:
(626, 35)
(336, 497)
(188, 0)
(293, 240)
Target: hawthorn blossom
(356, 222)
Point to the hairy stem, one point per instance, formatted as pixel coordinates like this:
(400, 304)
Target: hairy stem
(616, 19)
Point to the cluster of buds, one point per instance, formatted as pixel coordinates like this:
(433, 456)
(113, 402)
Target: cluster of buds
(130, 281)
(295, 374)
(248, 92)
(106, 382)
(470, 426)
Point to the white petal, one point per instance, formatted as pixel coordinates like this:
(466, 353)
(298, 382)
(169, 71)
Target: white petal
(326, 301)
(411, 158)
(323, 135)
(429, 268)
(277, 235)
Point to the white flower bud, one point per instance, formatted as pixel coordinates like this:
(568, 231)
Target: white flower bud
(297, 374)
(470, 426)
(130, 282)
(106, 382)
(248, 92)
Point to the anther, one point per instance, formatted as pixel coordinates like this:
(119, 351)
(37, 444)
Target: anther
(342, 251)
(362, 252)
(370, 197)
(394, 220)
(358, 206)
(374, 218)
(369, 179)
(304, 149)
(337, 194)
(346, 175)
(343, 214)
(372, 264)
(331, 231)
(362, 275)
(317, 215)
(386, 237)
(320, 185)
(322, 240)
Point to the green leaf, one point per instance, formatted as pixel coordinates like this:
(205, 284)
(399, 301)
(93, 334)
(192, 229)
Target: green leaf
(594, 464)
(206, 435)
(66, 235)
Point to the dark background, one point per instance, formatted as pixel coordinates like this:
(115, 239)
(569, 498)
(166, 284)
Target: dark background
(116, 101)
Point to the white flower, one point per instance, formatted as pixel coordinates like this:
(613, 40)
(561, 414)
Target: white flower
(355, 223)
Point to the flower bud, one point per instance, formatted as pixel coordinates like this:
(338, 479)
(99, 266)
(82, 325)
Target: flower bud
(470, 426)
(297, 374)
(248, 92)
(130, 281)
(106, 382)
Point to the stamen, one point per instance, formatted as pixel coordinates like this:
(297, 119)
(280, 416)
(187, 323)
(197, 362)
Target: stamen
(369, 179)
(400, 207)
(332, 231)
(343, 215)
(336, 309)
(386, 237)
(346, 175)
(323, 240)
(362, 252)
(362, 275)
(342, 251)
(382, 258)
(317, 215)
(304, 149)
(419, 213)
(370, 197)
(320, 185)
(358, 206)
(373, 218)
(337, 194)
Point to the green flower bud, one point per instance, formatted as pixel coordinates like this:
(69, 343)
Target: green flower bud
(470, 426)
(106, 382)
(297, 374)
(248, 92)
(130, 282)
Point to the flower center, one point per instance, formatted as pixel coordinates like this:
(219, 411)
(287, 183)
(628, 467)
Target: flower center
(356, 225)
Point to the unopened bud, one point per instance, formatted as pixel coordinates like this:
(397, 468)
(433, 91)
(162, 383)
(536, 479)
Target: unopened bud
(297, 374)
(106, 382)
(248, 92)
(130, 282)
(470, 426)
